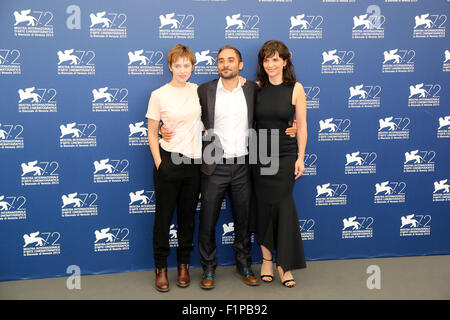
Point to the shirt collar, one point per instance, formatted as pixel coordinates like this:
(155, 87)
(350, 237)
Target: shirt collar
(220, 86)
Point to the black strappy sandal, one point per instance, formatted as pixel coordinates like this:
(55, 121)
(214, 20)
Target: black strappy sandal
(284, 283)
(267, 275)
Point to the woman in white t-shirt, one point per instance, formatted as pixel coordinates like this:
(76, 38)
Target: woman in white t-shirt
(176, 173)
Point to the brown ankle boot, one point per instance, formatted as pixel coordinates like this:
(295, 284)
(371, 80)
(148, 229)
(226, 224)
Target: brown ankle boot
(161, 281)
(183, 279)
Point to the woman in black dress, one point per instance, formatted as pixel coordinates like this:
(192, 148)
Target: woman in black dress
(279, 98)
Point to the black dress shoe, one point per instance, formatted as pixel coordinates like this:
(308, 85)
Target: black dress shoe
(247, 276)
(207, 279)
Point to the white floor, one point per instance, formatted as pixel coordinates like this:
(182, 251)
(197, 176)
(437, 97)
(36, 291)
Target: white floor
(425, 277)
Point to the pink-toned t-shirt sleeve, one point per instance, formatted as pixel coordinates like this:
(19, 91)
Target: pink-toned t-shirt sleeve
(154, 108)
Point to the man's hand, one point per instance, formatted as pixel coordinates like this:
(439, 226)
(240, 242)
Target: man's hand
(292, 131)
(165, 133)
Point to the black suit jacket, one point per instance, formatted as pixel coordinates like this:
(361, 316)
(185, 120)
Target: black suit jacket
(207, 95)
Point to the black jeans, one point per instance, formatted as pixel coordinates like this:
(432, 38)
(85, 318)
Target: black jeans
(234, 178)
(176, 186)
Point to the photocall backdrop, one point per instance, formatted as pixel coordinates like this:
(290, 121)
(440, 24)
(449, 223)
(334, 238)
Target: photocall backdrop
(76, 170)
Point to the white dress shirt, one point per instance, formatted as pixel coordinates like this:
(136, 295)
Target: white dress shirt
(230, 120)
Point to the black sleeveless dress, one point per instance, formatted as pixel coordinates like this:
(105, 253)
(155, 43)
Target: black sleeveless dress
(274, 216)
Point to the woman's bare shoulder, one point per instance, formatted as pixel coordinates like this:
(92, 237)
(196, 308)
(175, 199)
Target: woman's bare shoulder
(298, 92)
(298, 85)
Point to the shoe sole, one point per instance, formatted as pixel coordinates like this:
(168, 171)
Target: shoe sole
(162, 290)
(249, 284)
(183, 285)
(206, 288)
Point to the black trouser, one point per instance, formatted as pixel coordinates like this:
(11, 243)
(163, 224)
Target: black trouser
(234, 179)
(176, 186)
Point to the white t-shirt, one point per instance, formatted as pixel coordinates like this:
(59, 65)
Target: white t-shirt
(180, 110)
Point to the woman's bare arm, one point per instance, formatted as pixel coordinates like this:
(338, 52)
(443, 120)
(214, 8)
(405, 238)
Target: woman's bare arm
(153, 128)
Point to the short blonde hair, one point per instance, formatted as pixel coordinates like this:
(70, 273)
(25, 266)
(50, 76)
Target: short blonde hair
(180, 51)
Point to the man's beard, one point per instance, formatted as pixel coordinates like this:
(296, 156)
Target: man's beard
(229, 76)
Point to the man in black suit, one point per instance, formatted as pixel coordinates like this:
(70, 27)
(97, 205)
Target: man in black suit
(227, 114)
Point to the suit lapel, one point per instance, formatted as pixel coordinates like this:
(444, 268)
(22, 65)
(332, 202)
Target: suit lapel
(211, 105)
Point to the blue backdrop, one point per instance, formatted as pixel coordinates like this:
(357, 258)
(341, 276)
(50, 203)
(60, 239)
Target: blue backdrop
(76, 183)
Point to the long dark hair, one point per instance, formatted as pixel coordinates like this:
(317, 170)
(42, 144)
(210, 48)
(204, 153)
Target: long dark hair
(268, 50)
